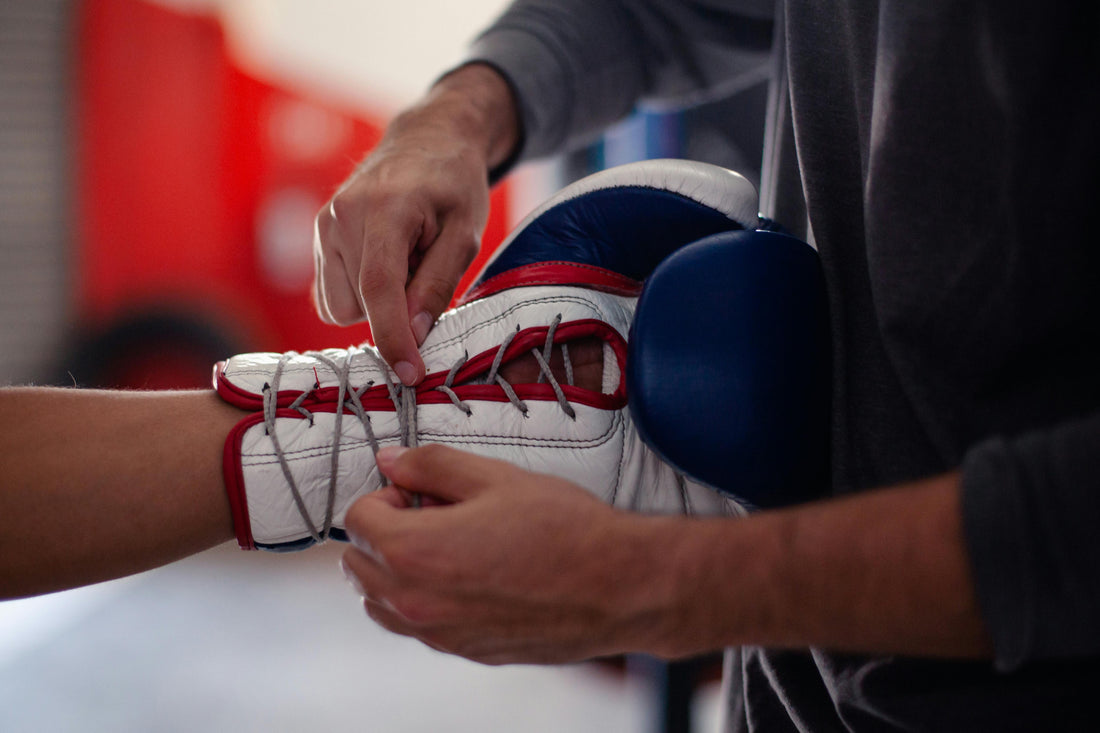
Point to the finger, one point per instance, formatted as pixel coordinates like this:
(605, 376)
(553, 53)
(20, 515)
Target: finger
(316, 292)
(391, 495)
(383, 294)
(349, 573)
(365, 573)
(389, 237)
(442, 472)
(339, 295)
(379, 590)
(398, 498)
(370, 520)
(335, 290)
(433, 284)
(384, 615)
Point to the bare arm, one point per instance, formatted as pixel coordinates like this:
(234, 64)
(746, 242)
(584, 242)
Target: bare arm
(525, 568)
(883, 572)
(97, 485)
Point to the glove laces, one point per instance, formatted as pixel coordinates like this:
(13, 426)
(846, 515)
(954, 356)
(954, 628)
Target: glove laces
(349, 399)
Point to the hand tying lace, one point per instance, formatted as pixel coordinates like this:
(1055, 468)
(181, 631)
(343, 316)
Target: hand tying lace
(349, 398)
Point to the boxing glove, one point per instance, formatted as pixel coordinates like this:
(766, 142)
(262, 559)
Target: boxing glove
(728, 370)
(729, 366)
(305, 452)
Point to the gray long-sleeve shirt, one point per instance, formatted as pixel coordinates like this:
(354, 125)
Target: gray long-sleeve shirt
(942, 156)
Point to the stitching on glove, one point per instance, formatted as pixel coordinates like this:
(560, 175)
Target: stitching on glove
(493, 439)
(507, 313)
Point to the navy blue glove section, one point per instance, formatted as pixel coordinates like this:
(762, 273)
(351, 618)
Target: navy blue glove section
(728, 373)
(625, 229)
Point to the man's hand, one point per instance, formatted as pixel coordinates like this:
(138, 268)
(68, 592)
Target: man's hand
(395, 239)
(515, 567)
(521, 567)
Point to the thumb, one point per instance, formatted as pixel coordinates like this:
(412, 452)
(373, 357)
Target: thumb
(441, 472)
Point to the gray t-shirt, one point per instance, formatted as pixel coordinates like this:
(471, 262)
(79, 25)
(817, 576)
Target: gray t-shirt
(942, 156)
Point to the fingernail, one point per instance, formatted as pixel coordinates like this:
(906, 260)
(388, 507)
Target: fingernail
(351, 577)
(406, 372)
(421, 324)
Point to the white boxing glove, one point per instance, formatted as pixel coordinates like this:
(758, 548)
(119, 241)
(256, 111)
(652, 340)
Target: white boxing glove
(296, 464)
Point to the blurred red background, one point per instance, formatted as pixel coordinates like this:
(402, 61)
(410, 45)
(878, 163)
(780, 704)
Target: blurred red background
(196, 184)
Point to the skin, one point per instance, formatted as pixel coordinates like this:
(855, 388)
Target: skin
(96, 485)
(395, 239)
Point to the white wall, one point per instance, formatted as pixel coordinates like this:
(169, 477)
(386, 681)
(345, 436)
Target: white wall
(378, 54)
(373, 55)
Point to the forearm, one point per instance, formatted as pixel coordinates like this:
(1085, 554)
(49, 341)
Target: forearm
(97, 485)
(881, 572)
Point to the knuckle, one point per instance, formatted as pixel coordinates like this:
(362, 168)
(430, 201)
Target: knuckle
(469, 247)
(375, 279)
(417, 609)
(438, 288)
(468, 251)
(327, 229)
(345, 314)
(402, 604)
(382, 616)
(390, 198)
(344, 208)
(325, 217)
(476, 652)
(357, 517)
(405, 558)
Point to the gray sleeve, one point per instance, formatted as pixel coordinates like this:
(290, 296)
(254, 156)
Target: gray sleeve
(1031, 510)
(578, 65)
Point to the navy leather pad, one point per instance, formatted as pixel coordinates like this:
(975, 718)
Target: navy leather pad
(728, 370)
(626, 229)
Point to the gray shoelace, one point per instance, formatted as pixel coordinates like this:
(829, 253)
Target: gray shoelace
(404, 402)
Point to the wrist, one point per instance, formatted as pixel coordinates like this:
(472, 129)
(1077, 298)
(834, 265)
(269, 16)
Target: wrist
(473, 106)
(709, 583)
(883, 572)
(667, 581)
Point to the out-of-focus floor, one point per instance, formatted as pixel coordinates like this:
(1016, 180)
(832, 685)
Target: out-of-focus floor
(233, 641)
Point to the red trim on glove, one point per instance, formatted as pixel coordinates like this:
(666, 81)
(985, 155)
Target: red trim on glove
(555, 273)
(377, 398)
(233, 394)
(234, 480)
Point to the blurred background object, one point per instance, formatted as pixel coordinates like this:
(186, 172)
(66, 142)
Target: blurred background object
(233, 642)
(35, 196)
(198, 171)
